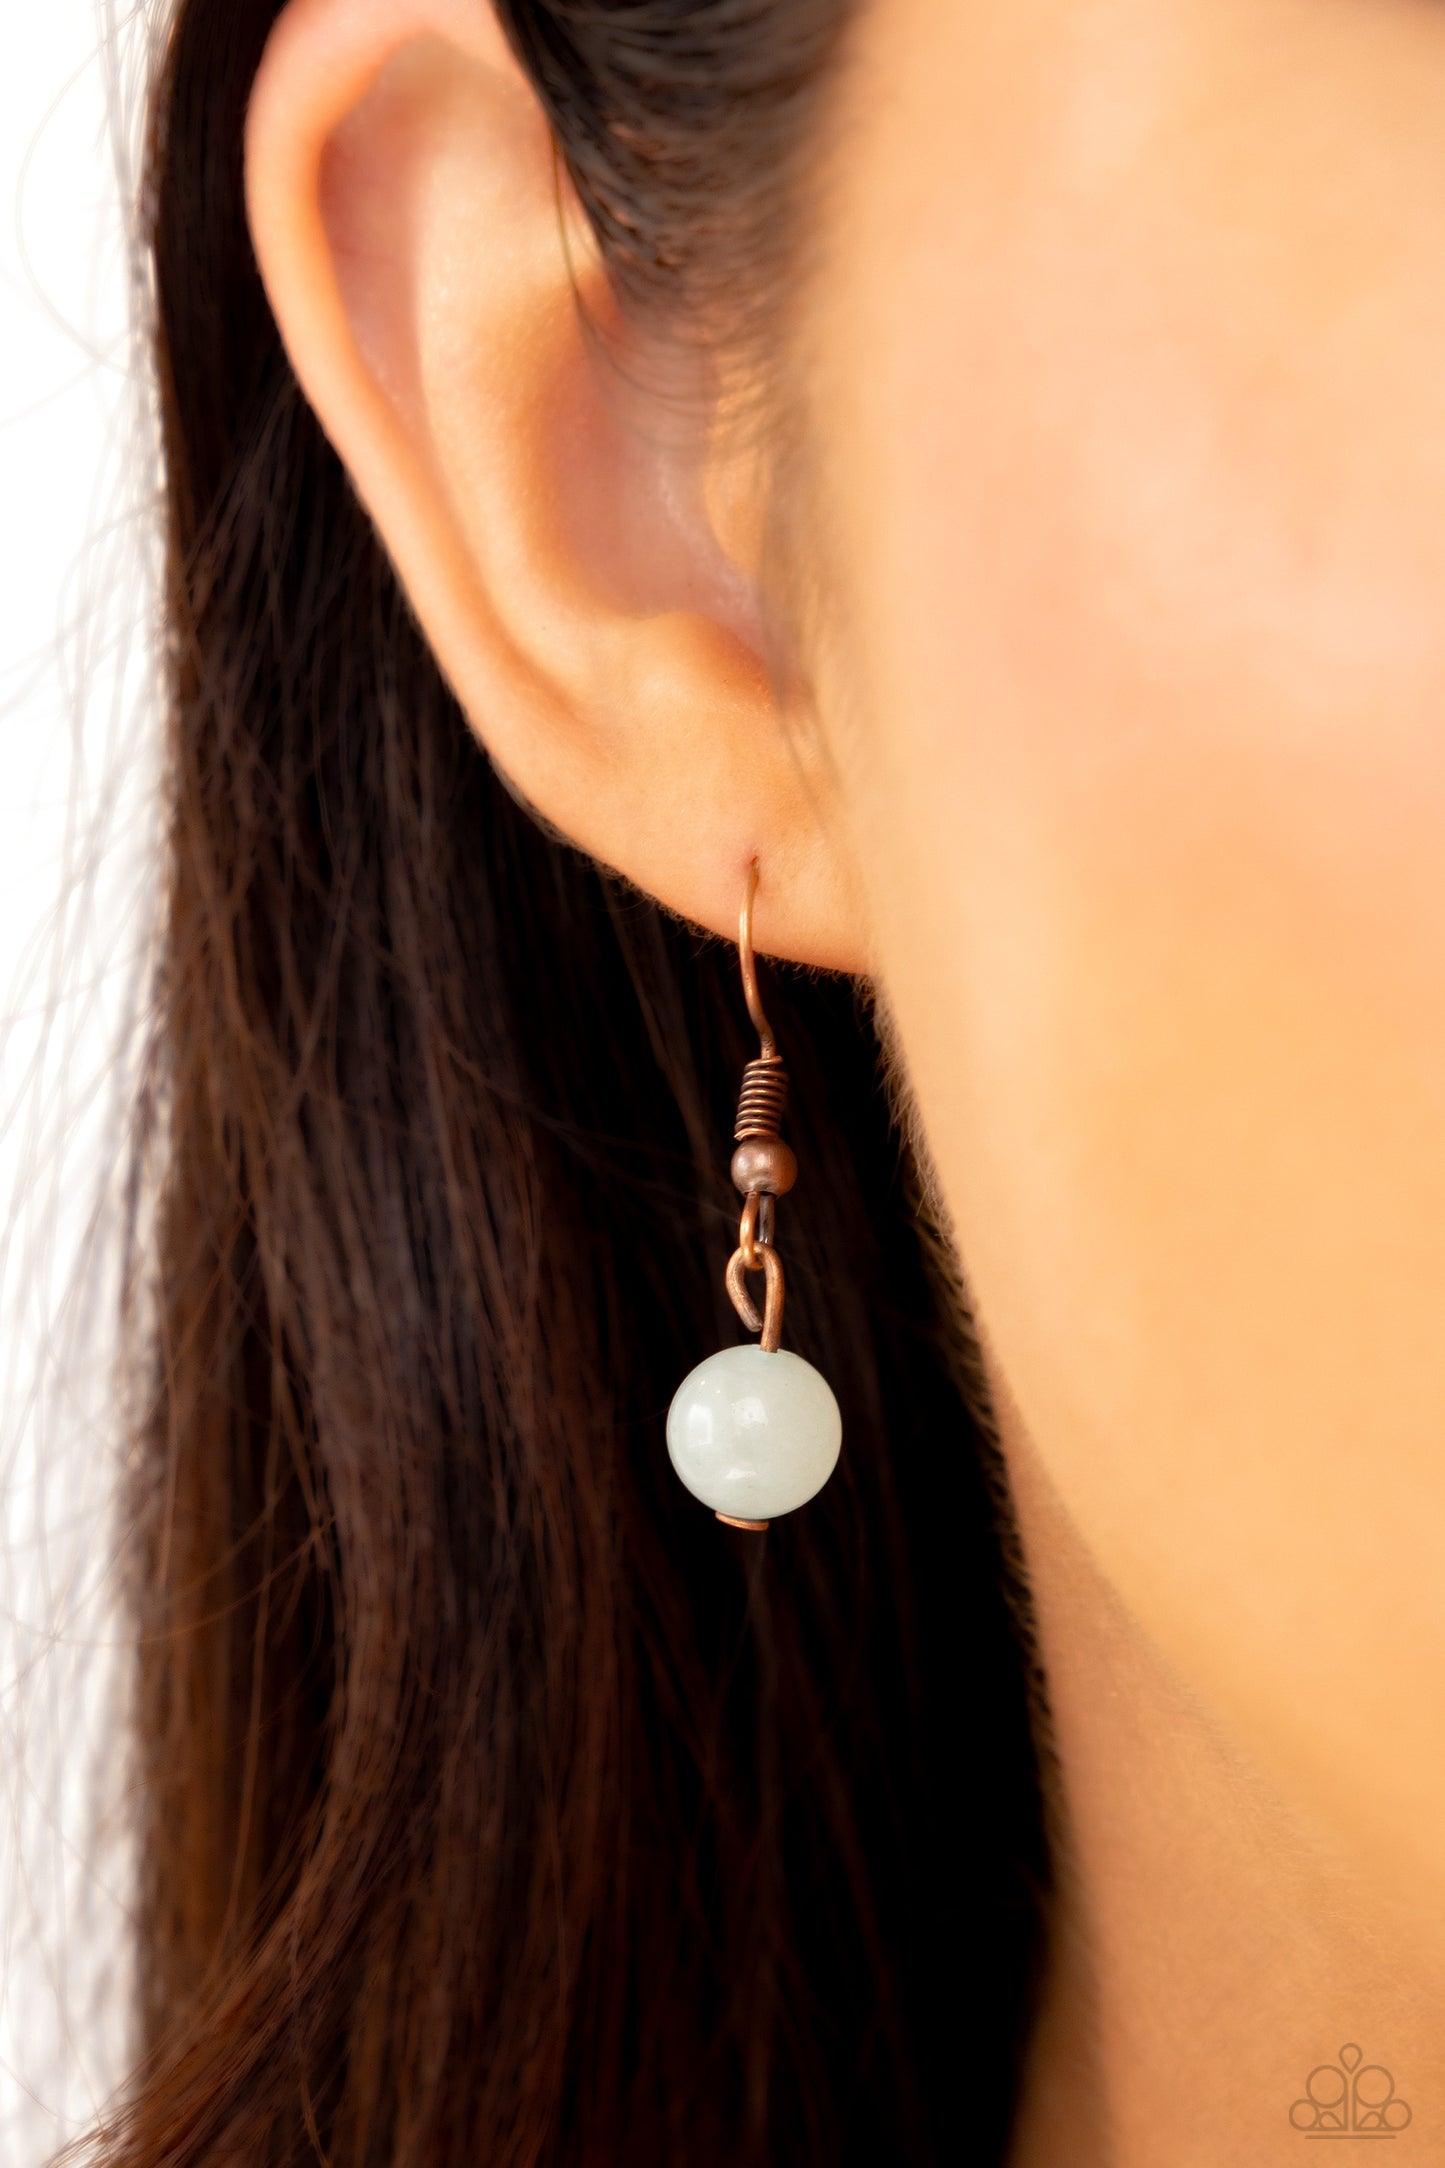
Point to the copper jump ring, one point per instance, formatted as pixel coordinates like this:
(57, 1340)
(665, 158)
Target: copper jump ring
(770, 1323)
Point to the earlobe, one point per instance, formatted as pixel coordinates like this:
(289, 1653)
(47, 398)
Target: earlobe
(546, 508)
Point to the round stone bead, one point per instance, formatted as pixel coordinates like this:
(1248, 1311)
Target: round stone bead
(754, 1434)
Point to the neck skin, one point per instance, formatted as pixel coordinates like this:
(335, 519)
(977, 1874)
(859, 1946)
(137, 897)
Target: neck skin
(1209, 1952)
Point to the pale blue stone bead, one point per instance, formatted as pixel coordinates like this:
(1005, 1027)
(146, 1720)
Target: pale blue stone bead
(754, 1434)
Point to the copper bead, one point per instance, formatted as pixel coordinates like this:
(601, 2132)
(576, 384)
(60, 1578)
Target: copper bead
(764, 1165)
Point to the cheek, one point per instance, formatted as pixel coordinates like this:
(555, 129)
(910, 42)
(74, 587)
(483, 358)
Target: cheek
(1135, 358)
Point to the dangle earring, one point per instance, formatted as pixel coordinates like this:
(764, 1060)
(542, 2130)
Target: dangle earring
(755, 1431)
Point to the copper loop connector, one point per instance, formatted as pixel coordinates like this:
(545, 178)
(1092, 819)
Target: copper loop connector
(755, 1230)
(755, 1233)
(770, 1323)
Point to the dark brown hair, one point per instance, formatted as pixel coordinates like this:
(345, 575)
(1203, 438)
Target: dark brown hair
(499, 1807)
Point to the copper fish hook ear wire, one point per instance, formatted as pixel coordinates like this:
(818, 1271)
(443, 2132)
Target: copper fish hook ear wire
(763, 1167)
(749, 962)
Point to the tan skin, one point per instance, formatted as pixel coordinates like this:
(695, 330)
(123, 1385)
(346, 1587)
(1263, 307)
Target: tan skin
(1122, 366)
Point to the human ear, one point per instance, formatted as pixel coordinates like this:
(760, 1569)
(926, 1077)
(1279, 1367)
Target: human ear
(545, 506)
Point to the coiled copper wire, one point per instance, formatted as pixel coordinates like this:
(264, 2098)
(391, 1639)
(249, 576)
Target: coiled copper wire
(763, 1098)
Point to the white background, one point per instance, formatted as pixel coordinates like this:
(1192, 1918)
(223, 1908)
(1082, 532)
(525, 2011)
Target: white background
(77, 811)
